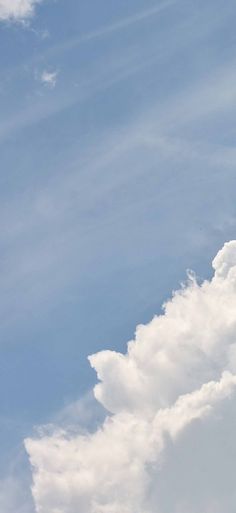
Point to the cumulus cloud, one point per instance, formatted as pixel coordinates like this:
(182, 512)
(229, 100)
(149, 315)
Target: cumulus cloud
(17, 10)
(170, 399)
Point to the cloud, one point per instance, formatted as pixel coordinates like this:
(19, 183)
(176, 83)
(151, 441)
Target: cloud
(17, 10)
(125, 23)
(122, 24)
(173, 390)
(178, 351)
(49, 78)
(108, 471)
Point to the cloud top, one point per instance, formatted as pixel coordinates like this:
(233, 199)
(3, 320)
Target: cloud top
(178, 351)
(179, 369)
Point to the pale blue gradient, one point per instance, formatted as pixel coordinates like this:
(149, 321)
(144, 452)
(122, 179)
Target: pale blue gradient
(113, 183)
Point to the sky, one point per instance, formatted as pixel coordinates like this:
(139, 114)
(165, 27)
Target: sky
(117, 187)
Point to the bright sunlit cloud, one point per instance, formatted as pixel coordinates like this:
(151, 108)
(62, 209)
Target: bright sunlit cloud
(17, 10)
(118, 173)
(178, 371)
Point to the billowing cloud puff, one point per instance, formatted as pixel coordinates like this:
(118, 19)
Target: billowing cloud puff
(17, 10)
(193, 342)
(170, 399)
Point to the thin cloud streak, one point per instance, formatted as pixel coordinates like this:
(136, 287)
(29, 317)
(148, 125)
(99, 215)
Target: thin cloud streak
(68, 227)
(127, 22)
(150, 128)
(96, 34)
(119, 68)
(116, 27)
(195, 102)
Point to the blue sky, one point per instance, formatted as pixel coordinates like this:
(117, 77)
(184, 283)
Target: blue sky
(117, 144)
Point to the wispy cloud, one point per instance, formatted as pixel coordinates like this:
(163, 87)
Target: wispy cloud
(126, 22)
(123, 24)
(153, 129)
(49, 78)
(196, 101)
(44, 229)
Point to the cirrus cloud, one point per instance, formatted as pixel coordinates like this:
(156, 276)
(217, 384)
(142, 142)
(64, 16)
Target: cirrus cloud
(172, 393)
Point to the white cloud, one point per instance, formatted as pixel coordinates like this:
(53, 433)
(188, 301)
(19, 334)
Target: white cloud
(180, 368)
(108, 471)
(17, 10)
(49, 78)
(178, 351)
